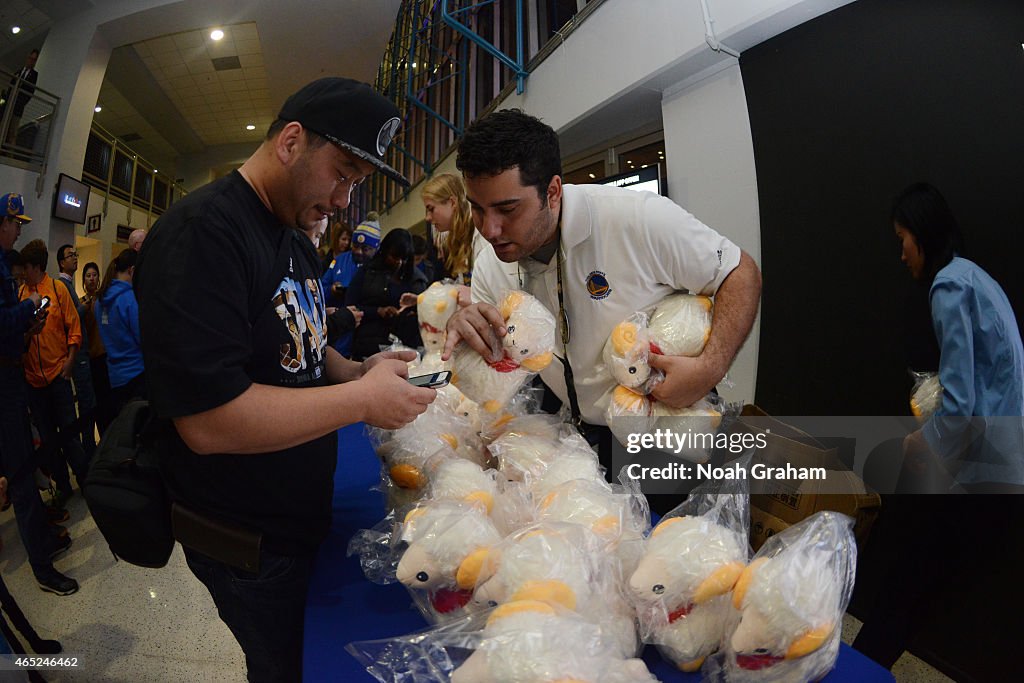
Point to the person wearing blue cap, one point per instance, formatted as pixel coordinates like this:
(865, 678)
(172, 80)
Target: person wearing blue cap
(339, 274)
(18, 319)
(240, 372)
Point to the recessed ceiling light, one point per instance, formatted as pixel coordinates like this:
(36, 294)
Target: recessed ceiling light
(216, 34)
(414, 65)
(97, 109)
(155, 171)
(15, 29)
(592, 175)
(250, 127)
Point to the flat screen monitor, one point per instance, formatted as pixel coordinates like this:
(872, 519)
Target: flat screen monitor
(72, 199)
(648, 179)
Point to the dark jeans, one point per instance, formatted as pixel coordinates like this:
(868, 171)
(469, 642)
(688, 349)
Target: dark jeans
(101, 388)
(19, 466)
(134, 389)
(265, 611)
(86, 399)
(53, 412)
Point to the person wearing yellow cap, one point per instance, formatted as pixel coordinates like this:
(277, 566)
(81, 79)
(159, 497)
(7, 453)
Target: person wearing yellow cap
(19, 320)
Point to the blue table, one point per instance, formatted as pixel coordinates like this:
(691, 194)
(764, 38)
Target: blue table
(343, 606)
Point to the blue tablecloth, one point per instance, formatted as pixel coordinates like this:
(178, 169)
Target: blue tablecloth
(343, 606)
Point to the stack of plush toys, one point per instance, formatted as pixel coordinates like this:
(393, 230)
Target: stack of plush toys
(535, 569)
(678, 326)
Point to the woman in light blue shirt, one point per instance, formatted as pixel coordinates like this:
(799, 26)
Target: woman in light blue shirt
(981, 366)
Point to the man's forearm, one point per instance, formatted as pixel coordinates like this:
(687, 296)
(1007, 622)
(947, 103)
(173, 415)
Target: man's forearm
(267, 418)
(736, 305)
(341, 369)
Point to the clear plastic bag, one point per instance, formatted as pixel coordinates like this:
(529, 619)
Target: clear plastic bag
(433, 309)
(445, 542)
(376, 553)
(681, 324)
(792, 597)
(926, 396)
(521, 642)
(625, 354)
(682, 585)
(526, 349)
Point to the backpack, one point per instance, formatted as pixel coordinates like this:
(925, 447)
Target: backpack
(124, 488)
(125, 491)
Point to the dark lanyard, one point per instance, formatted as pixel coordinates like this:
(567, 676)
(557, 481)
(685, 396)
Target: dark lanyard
(570, 385)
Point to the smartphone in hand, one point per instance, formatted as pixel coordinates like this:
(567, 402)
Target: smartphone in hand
(43, 305)
(434, 380)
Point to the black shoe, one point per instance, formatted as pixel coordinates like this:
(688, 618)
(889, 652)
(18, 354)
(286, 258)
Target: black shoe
(53, 581)
(62, 546)
(49, 647)
(57, 515)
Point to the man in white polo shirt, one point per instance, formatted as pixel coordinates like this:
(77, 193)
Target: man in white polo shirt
(615, 251)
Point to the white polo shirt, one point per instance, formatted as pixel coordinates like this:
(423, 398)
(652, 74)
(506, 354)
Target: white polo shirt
(622, 251)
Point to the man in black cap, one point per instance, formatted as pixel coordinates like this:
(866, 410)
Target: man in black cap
(239, 364)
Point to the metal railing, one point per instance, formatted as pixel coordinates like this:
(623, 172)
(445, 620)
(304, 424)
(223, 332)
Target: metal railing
(118, 172)
(26, 122)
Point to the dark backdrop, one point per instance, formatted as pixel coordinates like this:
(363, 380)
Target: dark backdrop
(846, 110)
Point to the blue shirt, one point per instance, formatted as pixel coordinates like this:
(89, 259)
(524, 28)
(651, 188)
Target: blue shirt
(341, 271)
(117, 316)
(15, 316)
(981, 369)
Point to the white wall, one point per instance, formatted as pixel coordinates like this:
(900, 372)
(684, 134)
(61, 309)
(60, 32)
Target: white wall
(625, 51)
(710, 168)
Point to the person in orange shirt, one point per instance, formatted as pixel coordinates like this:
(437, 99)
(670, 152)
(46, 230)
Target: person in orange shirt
(48, 363)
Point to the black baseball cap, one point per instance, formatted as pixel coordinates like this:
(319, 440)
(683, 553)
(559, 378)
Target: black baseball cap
(350, 114)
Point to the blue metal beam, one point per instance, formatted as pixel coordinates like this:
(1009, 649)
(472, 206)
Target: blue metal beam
(516, 65)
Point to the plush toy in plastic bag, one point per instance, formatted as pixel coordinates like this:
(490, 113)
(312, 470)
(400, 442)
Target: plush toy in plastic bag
(679, 326)
(447, 542)
(525, 349)
(629, 412)
(792, 597)
(405, 452)
(561, 564)
(682, 585)
(530, 641)
(926, 396)
(433, 308)
(618, 515)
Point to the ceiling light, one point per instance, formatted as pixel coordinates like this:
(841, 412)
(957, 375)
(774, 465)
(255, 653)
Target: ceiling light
(592, 175)
(250, 127)
(97, 109)
(15, 29)
(414, 65)
(155, 171)
(216, 34)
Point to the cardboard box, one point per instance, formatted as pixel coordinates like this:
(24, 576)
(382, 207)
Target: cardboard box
(790, 501)
(764, 525)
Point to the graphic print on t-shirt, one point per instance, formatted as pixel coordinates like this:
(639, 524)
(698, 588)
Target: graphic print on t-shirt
(300, 308)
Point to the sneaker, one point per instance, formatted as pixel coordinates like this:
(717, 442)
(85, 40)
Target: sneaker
(52, 581)
(63, 543)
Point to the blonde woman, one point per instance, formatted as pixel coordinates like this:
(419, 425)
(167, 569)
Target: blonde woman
(456, 240)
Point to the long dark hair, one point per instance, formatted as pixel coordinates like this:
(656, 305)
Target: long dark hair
(398, 243)
(923, 212)
(125, 260)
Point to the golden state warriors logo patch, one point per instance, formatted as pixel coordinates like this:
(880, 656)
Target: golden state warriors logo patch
(597, 285)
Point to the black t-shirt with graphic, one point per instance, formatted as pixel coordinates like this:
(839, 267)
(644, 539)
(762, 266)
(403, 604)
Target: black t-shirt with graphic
(229, 297)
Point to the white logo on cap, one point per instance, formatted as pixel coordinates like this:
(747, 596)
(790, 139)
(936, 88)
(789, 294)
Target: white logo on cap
(387, 131)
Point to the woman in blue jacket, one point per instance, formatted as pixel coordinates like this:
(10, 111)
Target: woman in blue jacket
(117, 314)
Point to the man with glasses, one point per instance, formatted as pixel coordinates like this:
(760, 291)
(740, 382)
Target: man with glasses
(19, 321)
(81, 374)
